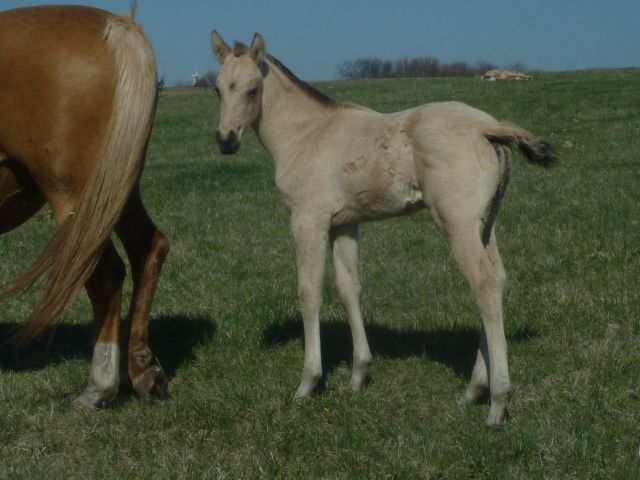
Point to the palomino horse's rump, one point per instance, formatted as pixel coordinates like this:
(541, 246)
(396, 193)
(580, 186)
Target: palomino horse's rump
(80, 85)
(88, 46)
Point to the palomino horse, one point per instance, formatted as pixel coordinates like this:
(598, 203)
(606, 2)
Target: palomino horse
(77, 101)
(340, 164)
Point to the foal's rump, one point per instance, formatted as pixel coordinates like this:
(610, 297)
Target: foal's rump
(462, 158)
(457, 123)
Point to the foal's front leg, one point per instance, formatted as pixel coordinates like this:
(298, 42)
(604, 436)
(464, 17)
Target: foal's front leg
(345, 262)
(310, 239)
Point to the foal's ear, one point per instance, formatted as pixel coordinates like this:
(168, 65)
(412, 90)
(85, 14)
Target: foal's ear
(220, 49)
(258, 48)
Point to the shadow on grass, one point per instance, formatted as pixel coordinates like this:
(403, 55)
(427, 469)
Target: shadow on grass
(172, 338)
(454, 348)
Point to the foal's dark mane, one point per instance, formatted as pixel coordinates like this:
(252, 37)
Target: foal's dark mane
(312, 92)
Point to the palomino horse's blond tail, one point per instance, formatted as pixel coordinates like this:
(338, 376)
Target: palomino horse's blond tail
(536, 150)
(75, 250)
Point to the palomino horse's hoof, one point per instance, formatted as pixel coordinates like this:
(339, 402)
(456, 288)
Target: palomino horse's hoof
(152, 384)
(92, 400)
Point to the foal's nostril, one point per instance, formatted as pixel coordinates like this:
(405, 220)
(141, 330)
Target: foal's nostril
(228, 144)
(230, 138)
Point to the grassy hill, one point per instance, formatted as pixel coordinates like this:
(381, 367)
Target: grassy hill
(225, 322)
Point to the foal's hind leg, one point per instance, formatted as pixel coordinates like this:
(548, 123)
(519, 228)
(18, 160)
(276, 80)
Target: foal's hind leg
(345, 261)
(479, 383)
(147, 249)
(483, 268)
(105, 292)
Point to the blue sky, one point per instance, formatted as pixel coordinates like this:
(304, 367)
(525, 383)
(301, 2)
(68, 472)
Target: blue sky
(313, 37)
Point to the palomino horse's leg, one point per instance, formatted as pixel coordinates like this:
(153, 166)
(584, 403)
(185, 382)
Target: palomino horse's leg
(20, 198)
(105, 292)
(345, 261)
(146, 248)
(310, 239)
(104, 288)
(483, 269)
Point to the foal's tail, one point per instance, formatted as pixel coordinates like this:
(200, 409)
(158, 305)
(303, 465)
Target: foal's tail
(77, 246)
(536, 150)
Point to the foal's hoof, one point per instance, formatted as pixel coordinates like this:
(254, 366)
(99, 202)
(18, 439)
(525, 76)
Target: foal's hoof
(473, 396)
(498, 416)
(308, 384)
(152, 383)
(303, 391)
(92, 400)
(306, 388)
(358, 383)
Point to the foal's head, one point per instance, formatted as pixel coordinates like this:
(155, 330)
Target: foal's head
(239, 87)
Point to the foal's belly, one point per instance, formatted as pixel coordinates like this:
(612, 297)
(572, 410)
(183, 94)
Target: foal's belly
(379, 197)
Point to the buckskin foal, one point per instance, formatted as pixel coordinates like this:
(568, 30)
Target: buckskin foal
(341, 164)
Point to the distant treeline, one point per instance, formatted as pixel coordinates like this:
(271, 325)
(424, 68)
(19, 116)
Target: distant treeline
(365, 68)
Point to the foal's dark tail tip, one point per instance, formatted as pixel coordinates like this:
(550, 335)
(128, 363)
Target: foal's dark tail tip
(539, 152)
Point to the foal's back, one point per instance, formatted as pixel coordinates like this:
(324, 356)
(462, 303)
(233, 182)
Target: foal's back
(379, 161)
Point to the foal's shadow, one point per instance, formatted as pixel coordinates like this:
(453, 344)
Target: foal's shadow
(173, 340)
(453, 347)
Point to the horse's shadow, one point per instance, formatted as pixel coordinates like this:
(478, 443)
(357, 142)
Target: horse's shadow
(172, 338)
(453, 347)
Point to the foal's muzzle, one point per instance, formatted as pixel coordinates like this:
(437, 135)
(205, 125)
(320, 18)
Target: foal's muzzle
(228, 145)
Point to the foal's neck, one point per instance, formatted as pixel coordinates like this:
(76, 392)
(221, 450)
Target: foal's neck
(288, 111)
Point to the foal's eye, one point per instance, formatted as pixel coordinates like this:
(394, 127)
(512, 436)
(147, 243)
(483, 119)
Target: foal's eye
(253, 92)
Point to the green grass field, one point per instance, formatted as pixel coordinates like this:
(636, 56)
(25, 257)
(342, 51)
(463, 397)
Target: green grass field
(225, 324)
